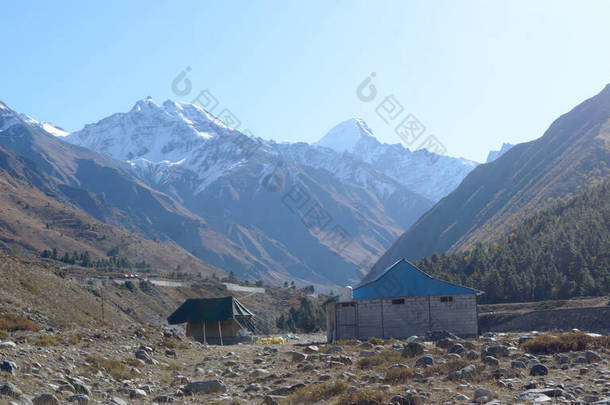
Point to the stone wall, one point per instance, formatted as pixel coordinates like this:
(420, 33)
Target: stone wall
(588, 319)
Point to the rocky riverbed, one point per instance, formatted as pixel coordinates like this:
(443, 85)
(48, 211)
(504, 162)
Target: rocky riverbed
(140, 365)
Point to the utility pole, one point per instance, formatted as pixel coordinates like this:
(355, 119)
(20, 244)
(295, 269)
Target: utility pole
(102, 296)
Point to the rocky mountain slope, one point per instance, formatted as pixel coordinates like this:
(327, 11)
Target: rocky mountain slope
(560, 252)
(57, 195)
(572, 154)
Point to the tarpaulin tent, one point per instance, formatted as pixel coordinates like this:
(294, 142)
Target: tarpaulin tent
(213, 320)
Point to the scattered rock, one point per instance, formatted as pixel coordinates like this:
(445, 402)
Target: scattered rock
(539, 370)
(9, 367)
(413, 349)
(10, 390)
(45, 399)
(7, 345)
(163, 399)
(296, 357)
(592, 357)
(424, 361)
(208, 387)
(491, 361)
(517, 364)
(79, 399)
(457, 348)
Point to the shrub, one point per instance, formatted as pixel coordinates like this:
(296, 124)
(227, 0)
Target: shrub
(319, 392)
(362, 397)
(379, 359)
(115, 368)
(398, 375)
(3, 334)
(172, 343)
(375, 341)
(565, 342)
(349, 342)
(14, 322)
(446, 368)
(47, 340)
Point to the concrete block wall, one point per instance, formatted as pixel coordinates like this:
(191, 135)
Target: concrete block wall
(390, 317)
(458, 316)
(404, 320)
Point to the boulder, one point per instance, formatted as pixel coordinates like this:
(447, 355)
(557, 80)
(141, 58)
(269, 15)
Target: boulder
(413, 349)
(283, 391)
(45, 399)
(539, 370)
(491, 361)
(9, 367)
(424, 361)
(136, 393)
(7, 345)
(445, 343)
(457, 348)
(296, 357)
(517, 364)
(592, 357)
(163, 399)
(467, 371)
(435, 336)
(10, 390)
(208, 387)
(495, 350)
(79, 399)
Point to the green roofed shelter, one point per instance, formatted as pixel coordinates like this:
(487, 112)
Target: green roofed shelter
(213, 320)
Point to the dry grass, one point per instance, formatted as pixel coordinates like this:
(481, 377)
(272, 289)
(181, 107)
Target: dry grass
(3, 334)
(362, 397)
(382, 358)
(9, 322)
(317, 393)
(446, 368)
(399, 375)
(115, 368)
(172, 343)
(349, 342)
(375, 341)
(566, 342)
(75, 339)
(47, 340)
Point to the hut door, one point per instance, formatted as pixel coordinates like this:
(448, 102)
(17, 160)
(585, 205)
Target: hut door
(346, 320)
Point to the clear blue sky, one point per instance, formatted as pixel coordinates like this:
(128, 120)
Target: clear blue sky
(475, 73)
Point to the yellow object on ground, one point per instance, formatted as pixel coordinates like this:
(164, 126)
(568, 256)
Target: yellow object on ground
(270, 341)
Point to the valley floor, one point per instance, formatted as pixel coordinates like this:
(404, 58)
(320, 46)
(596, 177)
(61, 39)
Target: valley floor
(154, 365)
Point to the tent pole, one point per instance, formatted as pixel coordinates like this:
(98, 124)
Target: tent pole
(220, 333)
(204, 339)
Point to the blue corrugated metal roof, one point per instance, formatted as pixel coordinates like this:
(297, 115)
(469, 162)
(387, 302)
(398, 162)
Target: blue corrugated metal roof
(403, 279)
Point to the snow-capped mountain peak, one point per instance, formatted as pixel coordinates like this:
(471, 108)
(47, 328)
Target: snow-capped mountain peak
(346, 135)
(9, 118)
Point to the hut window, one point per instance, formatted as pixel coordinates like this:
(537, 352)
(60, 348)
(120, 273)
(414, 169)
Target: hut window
(398, 301)
(447, 299)
(348, 304)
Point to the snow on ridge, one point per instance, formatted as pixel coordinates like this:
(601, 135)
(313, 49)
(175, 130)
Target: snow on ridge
(346, 135)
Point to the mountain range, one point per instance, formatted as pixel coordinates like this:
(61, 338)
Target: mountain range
(176, 175)
(172, 184)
